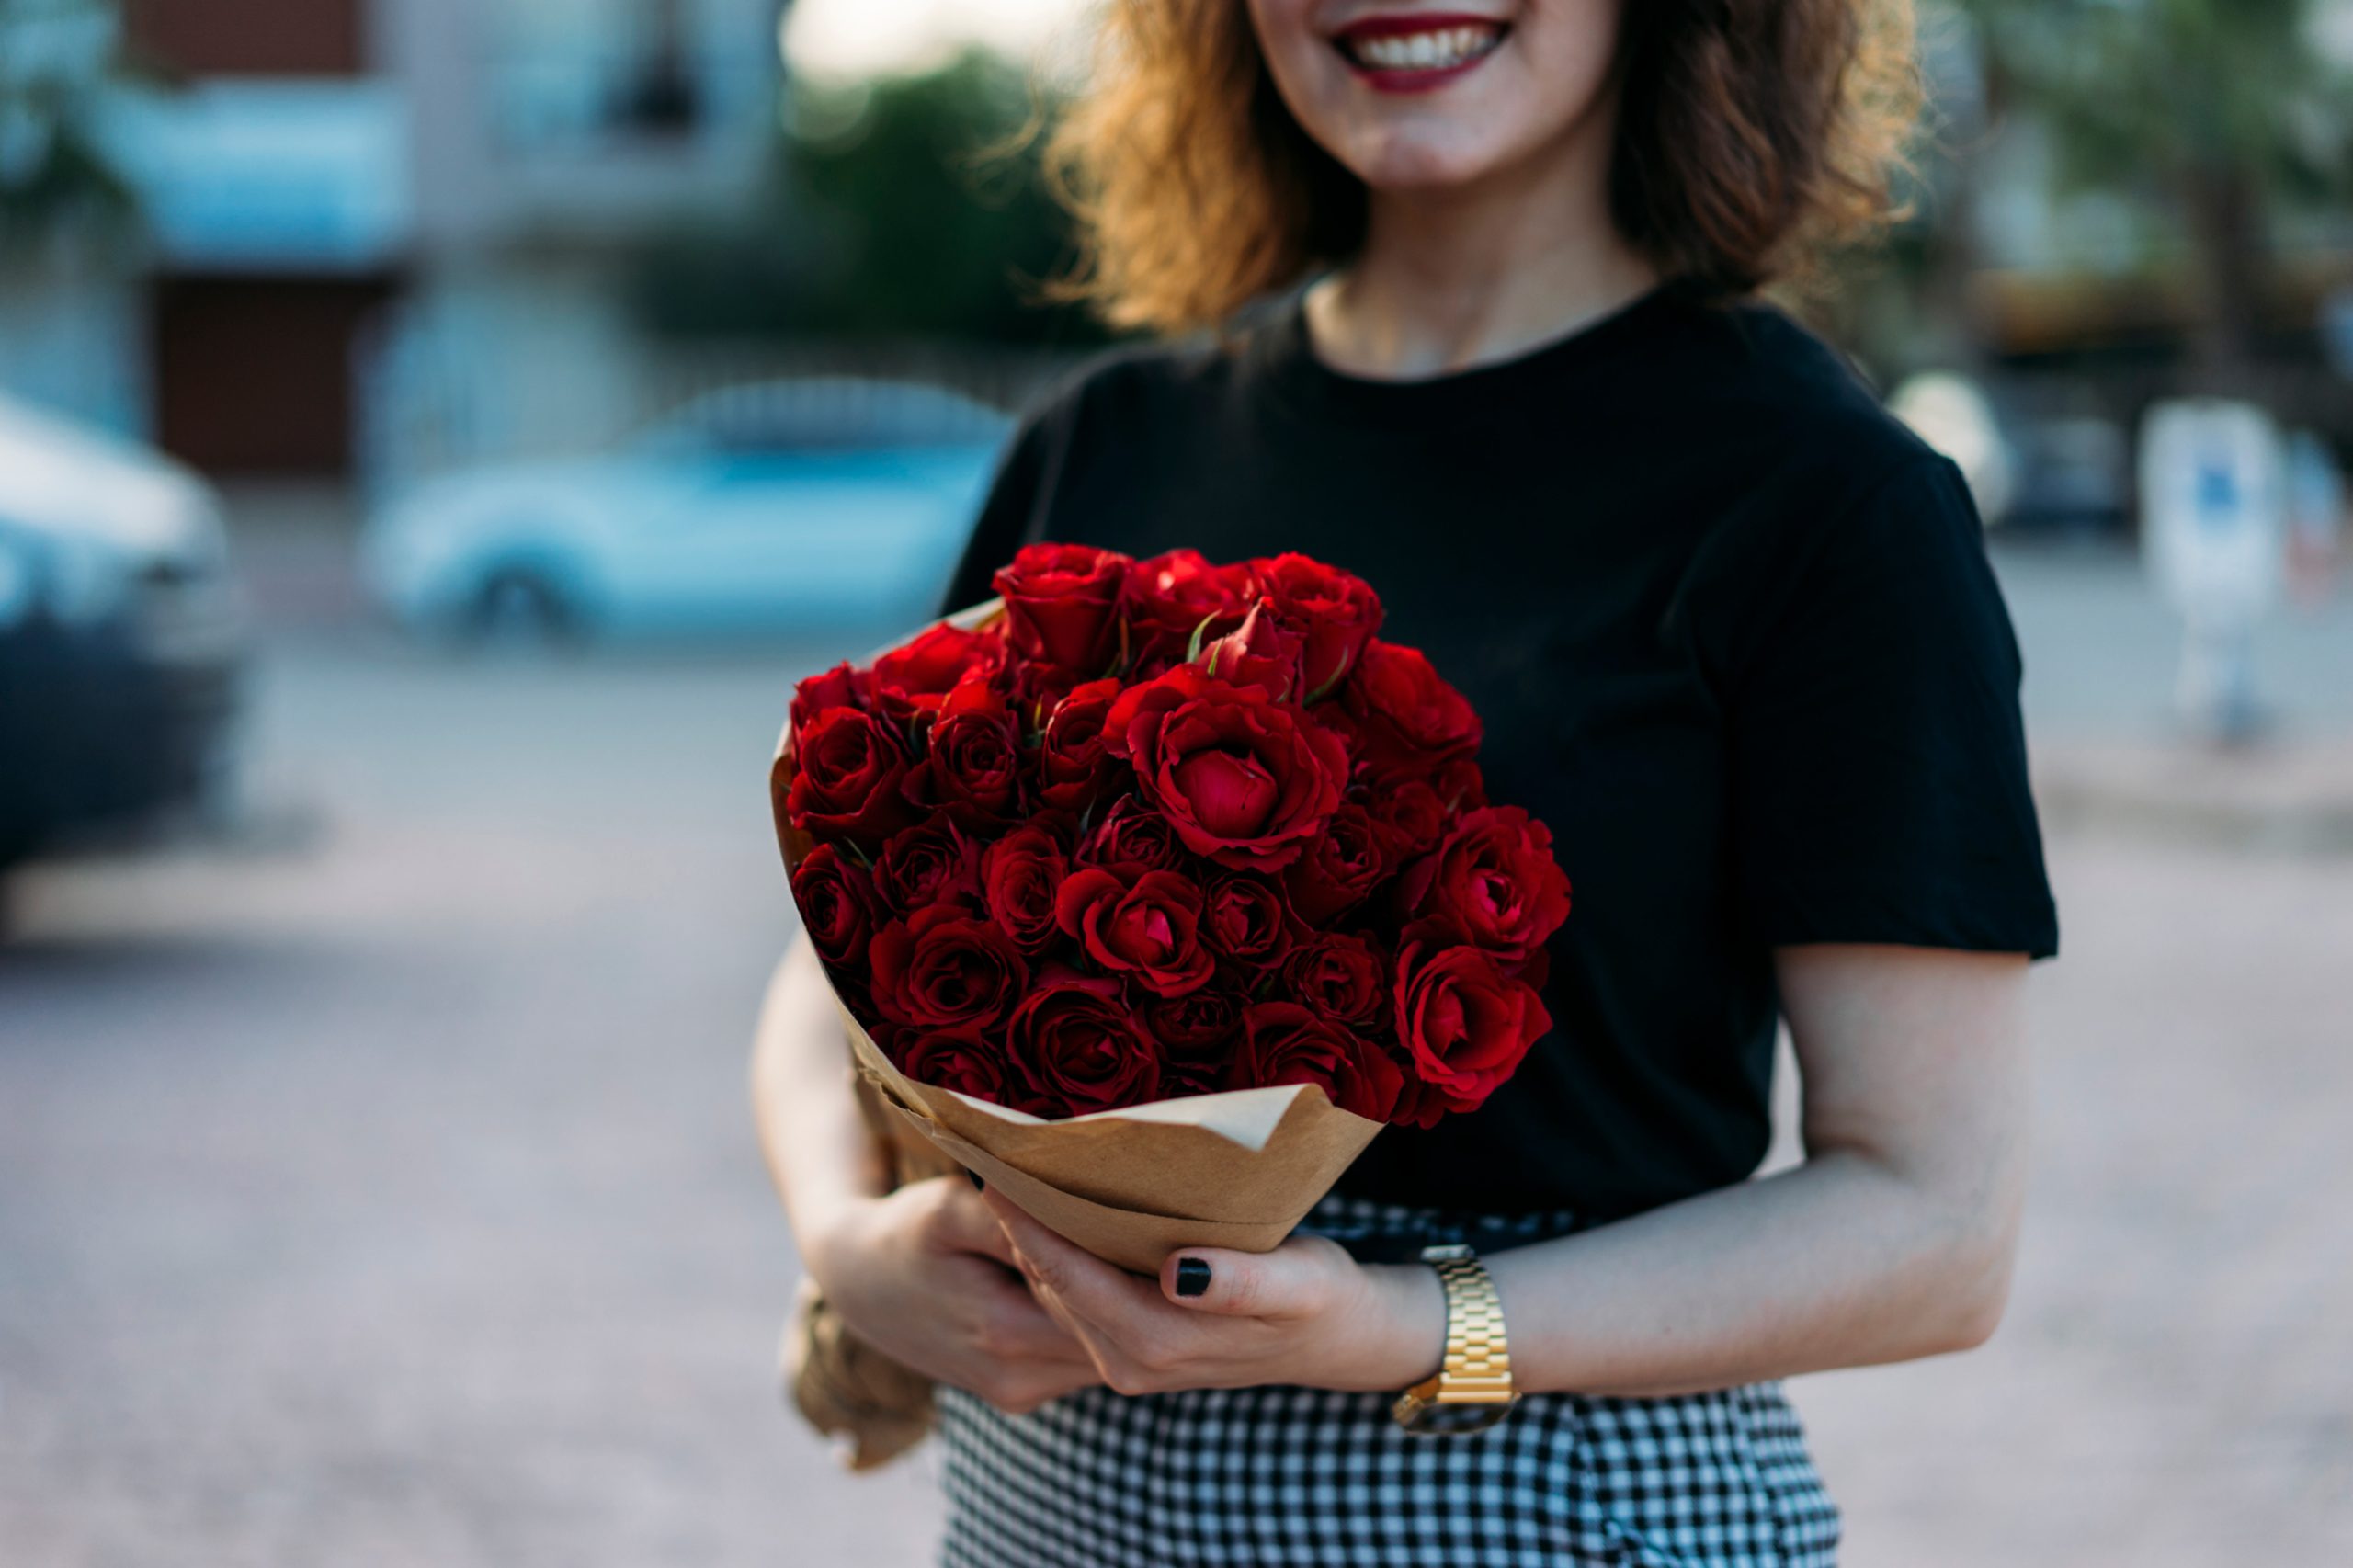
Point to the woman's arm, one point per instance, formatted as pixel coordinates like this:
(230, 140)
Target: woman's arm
(922, 1274)
(1893, 1241)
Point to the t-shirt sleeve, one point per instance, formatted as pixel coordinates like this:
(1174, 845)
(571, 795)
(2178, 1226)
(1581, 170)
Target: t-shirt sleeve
(1880, 788)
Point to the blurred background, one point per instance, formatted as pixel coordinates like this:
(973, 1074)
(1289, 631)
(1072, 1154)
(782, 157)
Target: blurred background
(435, 433)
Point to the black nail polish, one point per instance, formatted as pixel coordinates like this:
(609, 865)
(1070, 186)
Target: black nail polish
(1192, 1276)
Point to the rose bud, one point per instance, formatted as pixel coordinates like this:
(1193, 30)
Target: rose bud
(940, 967)
(958, 1059)
(1334, 612)
(1261, 651)
(1073, 767)
(1143, 925)
(1340, 869)
(1409, 723)
(1171, 599)
(1076, 1048)
(1020, 874)
(972, 772)
(1345, 978)
(1465, 1023)
(848, 769)
(1243, 779)
(1061, 606)
(1286, 1043)
(930, 864)
(916, 678)
(1495, 879)
(1245, 921)
(837, 903)
(1133, 834)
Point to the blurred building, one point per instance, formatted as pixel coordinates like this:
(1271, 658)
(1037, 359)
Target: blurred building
(341, 198)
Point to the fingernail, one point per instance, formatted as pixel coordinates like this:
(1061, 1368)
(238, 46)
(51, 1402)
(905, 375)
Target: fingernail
(1192, 1276)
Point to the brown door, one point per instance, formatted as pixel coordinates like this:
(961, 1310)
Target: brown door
(254, 374)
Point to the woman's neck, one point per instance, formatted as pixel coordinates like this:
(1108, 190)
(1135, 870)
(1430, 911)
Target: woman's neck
(1466, 276)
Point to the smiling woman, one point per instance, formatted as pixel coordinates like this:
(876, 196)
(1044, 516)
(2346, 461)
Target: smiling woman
(1731, 636)
(1745, 140)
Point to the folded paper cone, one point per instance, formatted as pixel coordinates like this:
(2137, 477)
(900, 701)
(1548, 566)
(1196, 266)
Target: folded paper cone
(1134, 1185)
(1238, 1169)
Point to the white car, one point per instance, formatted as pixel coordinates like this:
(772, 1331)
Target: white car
(766, 507)
(122, 634)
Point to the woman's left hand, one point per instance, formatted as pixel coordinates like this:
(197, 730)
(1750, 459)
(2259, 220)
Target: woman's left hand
(1305, 1313)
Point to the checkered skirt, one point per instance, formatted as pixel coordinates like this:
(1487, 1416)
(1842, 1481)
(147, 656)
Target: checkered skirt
(1258, 1477)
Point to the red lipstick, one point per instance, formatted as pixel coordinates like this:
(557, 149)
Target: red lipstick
(1386, 70)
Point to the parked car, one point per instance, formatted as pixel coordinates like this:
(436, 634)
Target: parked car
(121, 632)
(768, 506)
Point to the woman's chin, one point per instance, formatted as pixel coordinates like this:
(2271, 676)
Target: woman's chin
(1419, 168)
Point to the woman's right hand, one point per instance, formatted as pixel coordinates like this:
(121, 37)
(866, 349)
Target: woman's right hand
(925, 1276)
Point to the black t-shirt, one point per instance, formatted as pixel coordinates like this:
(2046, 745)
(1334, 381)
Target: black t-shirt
(1733, 636)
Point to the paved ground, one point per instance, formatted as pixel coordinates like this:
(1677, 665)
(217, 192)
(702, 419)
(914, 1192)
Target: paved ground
(376, 1187)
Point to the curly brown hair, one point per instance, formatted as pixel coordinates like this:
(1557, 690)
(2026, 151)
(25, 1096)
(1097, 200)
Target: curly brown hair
(1754, 136)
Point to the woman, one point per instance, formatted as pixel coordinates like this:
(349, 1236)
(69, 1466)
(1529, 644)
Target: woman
(1735, 639)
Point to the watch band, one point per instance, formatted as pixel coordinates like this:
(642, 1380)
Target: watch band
(1477, 1368)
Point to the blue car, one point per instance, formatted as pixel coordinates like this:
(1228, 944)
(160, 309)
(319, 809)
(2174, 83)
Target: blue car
(770, 508)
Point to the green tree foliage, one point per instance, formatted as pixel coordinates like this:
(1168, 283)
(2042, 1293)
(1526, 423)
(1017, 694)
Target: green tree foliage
(2219, 109)
(907, 206)
(54, 57)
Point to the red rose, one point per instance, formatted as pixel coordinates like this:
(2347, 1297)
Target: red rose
(848, 766)
(1242, 779)
(1133, 834)
(1465, 1023)
(1061, 606)
(1020, 874)
(1076, 1048)
(974, 769)
(1343, 977)
(929, 864)
(1137, 923)
(1171, 597)
(1461, 786)
(1412, 814)
(836, 900)
(1495, 879)
(1340, 869)
(1409, 723)
(917, 677)
(958, 1059)
(836, 687)
(1245, 921)
(1335, 612)
(1073, 767)
(1195, 1031)
(1261, 651)
(1285, 1043)
(940, 969)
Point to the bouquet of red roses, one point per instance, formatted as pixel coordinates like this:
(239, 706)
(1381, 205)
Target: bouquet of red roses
(1153, 889)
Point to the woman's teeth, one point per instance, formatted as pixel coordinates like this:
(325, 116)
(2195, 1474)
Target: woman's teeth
(1440, 49)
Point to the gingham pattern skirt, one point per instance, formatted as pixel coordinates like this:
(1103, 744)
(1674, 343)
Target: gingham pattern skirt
(1259, 1477)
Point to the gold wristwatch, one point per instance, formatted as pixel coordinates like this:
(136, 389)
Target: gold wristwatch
(1473, 1387)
